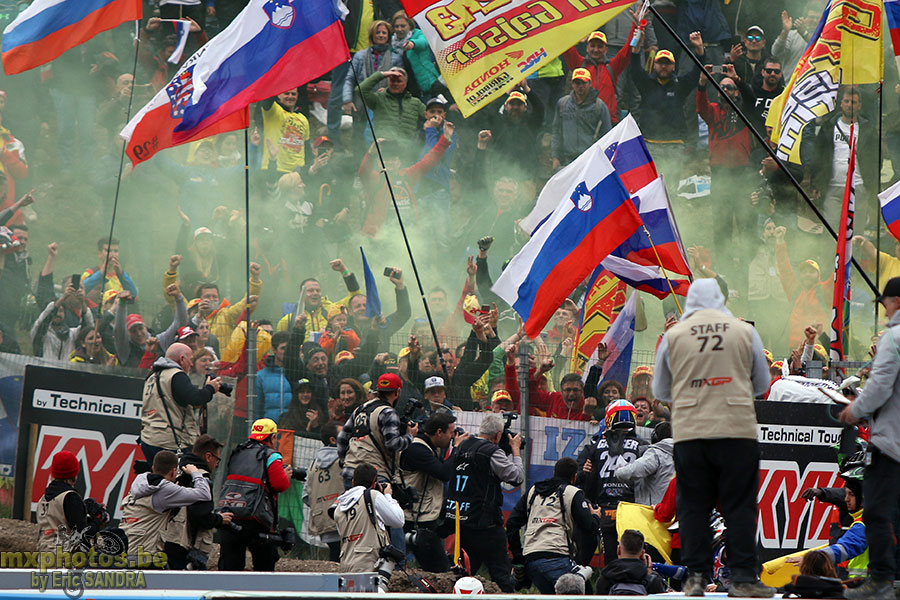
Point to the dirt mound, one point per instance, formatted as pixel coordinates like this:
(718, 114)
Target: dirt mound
(21, 536)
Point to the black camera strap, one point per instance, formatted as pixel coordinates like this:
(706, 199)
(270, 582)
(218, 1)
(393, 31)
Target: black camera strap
(162, 399)
(370, 510)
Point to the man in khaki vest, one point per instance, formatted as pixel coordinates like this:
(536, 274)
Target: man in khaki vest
(60, 511)
(169, 399)
(188, 536)
(426, 468)
(147, 508)
(550, 512)
(363, 514)
(374, 433)
(710, 366)
(323, 486)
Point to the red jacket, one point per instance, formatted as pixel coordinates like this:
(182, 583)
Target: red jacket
(665, 511)
(544, 404)
(601, 79)
(729, 138)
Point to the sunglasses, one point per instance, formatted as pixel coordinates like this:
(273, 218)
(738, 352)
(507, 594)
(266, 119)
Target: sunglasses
(755, 38)
(772, 71)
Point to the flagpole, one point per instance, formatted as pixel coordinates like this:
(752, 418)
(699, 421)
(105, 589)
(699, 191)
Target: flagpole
(771, 152)
(412, 260)
(250, 331)
(877, 201)
(666, 275)
(112, 224)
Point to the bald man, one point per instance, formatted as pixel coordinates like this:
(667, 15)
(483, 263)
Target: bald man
(168, 421)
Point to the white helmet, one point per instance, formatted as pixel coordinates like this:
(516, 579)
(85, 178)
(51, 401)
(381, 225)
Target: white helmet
(468, 585)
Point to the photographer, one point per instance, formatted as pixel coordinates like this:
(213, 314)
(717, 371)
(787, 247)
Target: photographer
(146, 510)
(188, 537)
(424, 470)
(167, 415)
(550, 513)
(320, 491)
(363, 513)
(480, 466)
(375, 434)
(256, 475)
(61, 513)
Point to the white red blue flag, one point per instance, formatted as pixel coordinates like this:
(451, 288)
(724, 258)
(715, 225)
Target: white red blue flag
(619, 341)
(624, 146)
(272, 46)
(840, 310)
(182, 32)
(47, 28)
(636, 262)
(593, 216)
(892, 10)
(890, 209)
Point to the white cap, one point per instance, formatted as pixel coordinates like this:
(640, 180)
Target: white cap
(468, 585)
(434, 382)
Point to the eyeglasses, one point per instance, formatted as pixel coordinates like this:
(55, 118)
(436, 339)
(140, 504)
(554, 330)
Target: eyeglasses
(772, 71)
(755, 38)
(729, 88)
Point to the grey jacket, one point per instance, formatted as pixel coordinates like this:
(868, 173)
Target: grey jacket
(651, 473)
(577, 126)
(168, 495)
(879, 402)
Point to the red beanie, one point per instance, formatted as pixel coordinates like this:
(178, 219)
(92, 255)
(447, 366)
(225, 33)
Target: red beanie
(64, 466)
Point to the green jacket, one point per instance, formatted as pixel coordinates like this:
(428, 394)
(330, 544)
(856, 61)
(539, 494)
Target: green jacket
(395, 117)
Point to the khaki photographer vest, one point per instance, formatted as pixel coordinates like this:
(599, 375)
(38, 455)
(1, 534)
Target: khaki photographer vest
(431, 491)
(143, 525)
(369, 448)
(178, 531)
(155, 428)
(550, 526)
(361, 540)
(323, 488)
(53, 527)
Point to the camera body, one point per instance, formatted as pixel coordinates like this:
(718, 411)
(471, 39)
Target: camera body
(286, 539)
(507, 432)
(298, 474)
(226, 388)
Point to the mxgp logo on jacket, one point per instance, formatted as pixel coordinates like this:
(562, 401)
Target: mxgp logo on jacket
(711, 382)
(103, 467)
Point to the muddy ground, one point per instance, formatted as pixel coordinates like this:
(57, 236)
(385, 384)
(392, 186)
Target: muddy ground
(20, 536)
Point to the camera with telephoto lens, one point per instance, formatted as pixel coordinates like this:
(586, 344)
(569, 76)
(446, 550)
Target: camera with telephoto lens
(234, 527)
(226, 388)
(411, 538)
(298, 474)
(388, 558)
(286, 539)
(405, 495)
(406, 419)
(507, 433)
(584, 572)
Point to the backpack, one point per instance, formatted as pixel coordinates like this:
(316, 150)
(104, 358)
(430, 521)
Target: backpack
(624, 588)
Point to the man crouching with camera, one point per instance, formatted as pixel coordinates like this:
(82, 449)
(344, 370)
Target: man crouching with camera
(363, 514)
(188, 536)
(256, 475)
(426, 469)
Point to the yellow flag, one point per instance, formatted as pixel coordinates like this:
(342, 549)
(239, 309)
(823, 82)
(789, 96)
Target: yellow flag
(777, 572)
(640, 517)
(844, 49)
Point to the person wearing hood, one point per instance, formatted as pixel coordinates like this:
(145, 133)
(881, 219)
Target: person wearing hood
(630, 573)
(617, 446)
(323, 486)
(167, 413)
(147, 509)
(550, 512)
(363, 514)
(709, 367)
(273, 390)
(581, 118)
(188, 537)
(651, 473)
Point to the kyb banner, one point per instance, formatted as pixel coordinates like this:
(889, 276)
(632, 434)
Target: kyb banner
(483, 49)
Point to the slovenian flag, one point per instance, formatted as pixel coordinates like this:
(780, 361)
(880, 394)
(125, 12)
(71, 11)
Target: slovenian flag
(890, 209)
(182, 32)
(624, 146)
(273, 46)
(47, 28)
(594, 214)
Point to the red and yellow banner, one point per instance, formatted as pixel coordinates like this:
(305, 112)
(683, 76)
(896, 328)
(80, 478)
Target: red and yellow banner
(605, 299)
(485, 47)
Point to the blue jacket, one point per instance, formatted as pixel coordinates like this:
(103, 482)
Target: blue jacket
(850, 545)
(273, 391)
